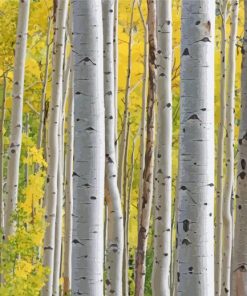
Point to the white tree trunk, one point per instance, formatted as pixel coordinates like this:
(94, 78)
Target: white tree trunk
(69, 189)
(16, 114)
(220, 158)
(163, 197)
(60, 183)
(89, 154)
(229, 180)
(53, 144)
(196, 161)
(239, 267)
(146, 203)
(114, 248)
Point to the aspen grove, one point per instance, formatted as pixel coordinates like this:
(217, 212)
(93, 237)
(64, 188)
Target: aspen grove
(123, 147)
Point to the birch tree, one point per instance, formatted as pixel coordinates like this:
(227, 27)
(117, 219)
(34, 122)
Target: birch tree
(147, 193)
(163, 198)
(53, 144)
(239, 266)
(69, 189)
(16, 114)
(195, 224)
(89, 149)
(220, 158)
(114, 248)
(229, 180)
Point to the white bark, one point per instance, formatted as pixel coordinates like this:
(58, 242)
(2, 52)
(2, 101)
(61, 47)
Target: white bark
(163, 179)
(53, 143)
(196, 161)
(115, 41)
(69, 189)
(114, 248)
(229, 180)
(239, 266)
(16, 114)
(89, 154)
(220, 159)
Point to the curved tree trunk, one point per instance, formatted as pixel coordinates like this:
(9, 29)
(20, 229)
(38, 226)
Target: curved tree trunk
(114, 248)
(163, 179)
(147, 195)
(16, 114)
(196, 159)
(53, 144)
(220, 159)
(229, 180)
(89, 153)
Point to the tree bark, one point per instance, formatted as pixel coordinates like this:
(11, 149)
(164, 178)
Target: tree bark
(122, 146)
(89, 153)
(69, 189)
(163, 179)
(220, 159)
(114, 247)
(149, 156)
(195, 224)
(229, 180)
(53, 143)
(16, 114)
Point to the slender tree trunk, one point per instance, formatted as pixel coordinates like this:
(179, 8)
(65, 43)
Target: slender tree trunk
(122, 147)
(53, 143)
(16, 114)
(45, 81)
(114, 247)
(163, 197)
(196, 158)
(143, 118)
(240, 240)
(69, 190)
(60, 183)
(220, 159)
(126, 225)
(115, 42)
(89, 154)
(149, 156)
(2, 152)
(229, 180)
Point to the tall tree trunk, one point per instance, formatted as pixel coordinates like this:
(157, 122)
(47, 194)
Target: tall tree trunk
(149, 156)
(2, 152)
(60, 182)
(89, 154)
(126, 225)
(143, 118)
(115, 42)
(16, 114)
(196, 159)
(69, 189)
(220, 159)
(240, 240)
(122, 146)
(163, 179)
(53, 143)
(229, 180)
(114, 247)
